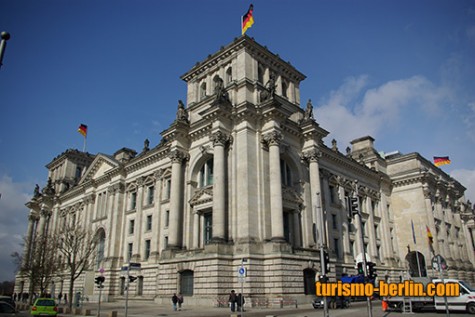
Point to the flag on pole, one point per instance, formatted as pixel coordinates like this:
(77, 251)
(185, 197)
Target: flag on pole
(247, 20)
(83, 129)
(441, 160)
(413, 232)
(430, 238)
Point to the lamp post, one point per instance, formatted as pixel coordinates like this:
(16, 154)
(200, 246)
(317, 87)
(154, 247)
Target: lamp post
(5, 36)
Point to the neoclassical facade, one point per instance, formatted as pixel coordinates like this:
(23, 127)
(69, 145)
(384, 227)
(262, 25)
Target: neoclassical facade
(243, 175)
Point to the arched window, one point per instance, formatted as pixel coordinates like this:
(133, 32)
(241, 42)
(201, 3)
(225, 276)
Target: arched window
(260, 74)
(285, 86)
(206, 174)
(186, 282)
(229, 75)
(101, 240)
(285, 173)
(309, 281)
(203, 91)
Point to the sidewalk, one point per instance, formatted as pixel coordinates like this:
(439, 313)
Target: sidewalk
(151, 309)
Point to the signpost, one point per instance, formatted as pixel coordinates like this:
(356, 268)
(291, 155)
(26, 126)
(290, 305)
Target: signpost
(242, 274)
(130, 266)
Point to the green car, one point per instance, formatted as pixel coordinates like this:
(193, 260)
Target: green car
(44, 307)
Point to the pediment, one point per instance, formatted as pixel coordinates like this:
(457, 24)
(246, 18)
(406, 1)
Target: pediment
(291, 196)
(99, 167)
(202, 196)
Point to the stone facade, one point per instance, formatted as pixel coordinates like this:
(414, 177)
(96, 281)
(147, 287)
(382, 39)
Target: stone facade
(243, 173)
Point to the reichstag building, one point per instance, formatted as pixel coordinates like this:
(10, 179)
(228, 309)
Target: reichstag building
(242, 176)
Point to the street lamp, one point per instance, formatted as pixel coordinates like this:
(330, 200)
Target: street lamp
(5, 36)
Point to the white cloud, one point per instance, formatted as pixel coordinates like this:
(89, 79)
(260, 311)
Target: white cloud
(13, 221)
(355, 110)
(467, 179)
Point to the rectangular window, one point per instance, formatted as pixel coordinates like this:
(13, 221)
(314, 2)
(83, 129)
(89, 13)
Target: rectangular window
(334, 222)
(167, 218)
(133, 200)
(130, 248)
(168, 188)
(208, 227)
(131, 226)
(332, 194)
(336, 246)
(148, 225)
(165, 243)
(147, 249)
(151, 195)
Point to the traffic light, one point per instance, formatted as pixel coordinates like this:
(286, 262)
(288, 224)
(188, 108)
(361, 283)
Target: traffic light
(326, 261)
(322, 278)
(360, 268)
(99, 280)
(132, 278)
(371, 270)
(354, 206)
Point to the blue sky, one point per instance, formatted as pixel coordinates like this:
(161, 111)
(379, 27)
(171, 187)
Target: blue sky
(401, 71)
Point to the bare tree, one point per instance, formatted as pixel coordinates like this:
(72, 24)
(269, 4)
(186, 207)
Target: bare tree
(77, 245)
(42, 265)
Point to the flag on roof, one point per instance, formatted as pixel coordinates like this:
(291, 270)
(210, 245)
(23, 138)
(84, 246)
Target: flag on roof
(247, 19)
(83, 129)
(441, 160)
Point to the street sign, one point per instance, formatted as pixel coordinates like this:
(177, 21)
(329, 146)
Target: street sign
(242, 272)
(135, 266)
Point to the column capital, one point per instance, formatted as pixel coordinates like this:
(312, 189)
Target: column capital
(177, 156)
(219, 138)
(272, 138)
(312, 155)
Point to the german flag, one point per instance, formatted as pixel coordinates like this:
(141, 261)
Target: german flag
(430, 239)
(247, 19)
(83, 129)
(441, 160)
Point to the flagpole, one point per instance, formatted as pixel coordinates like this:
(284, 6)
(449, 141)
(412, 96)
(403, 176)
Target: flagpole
(84, 145)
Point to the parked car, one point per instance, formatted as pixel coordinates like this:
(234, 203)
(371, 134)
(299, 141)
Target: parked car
(333, 302)
(7, 299)
(8, 310)
(44, 307)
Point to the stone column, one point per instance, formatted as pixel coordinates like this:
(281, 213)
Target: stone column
(155, 243)
(176, 209)
(32, 223)
(345, 232)
(115, 238)
(373, 252)
(387, 247)
(219, 140)
(312, 157)
(273, 140)
(138, 221)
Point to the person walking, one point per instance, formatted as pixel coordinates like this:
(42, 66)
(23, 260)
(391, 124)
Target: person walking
(232, 300)
(174, 301)
(240, 302)
(60, 296)
(180, 301)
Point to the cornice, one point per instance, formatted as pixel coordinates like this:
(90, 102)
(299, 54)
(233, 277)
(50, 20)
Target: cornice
(151, 157)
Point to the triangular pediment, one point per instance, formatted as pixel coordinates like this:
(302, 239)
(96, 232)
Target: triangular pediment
(99, 167)
(202, 196)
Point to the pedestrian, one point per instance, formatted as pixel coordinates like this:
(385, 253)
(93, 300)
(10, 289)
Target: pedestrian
(65, 299)
(14, 297)
(240, 302)
(232, 300)
(60, 296)
(180, 301)
(174, 301)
